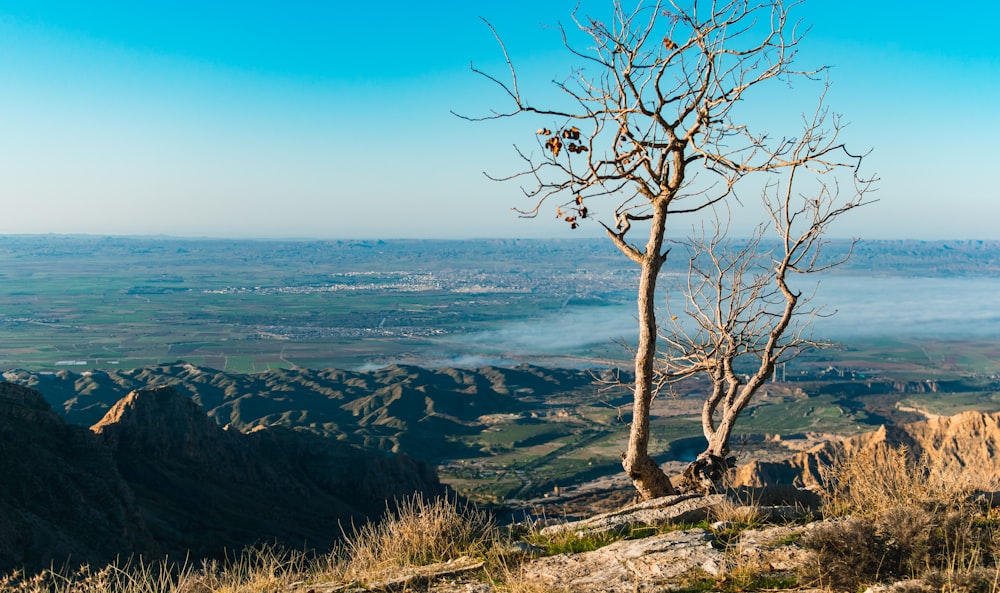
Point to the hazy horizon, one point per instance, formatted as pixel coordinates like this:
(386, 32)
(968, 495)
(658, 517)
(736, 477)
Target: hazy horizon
(304, 238)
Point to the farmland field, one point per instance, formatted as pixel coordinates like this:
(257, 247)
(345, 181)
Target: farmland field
(246, 306)
(250, 306)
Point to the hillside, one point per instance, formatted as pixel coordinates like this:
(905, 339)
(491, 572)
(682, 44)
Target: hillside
(157, 476)
(498, 434)
(61, 494)
(925, 529)
(396, 408)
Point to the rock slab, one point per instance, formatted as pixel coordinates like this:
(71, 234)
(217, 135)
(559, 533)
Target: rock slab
(684, 508)
(630, 565)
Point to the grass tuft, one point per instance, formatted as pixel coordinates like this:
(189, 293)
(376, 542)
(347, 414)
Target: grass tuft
(742, 579)
(419, 532)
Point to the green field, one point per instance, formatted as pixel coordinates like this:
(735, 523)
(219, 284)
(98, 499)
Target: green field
(251, 306)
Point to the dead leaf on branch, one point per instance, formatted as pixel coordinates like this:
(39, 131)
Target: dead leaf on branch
(571, 133)
(554, 144)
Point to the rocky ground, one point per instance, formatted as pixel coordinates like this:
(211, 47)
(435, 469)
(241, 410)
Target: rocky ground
(915, 525)
(665, 560)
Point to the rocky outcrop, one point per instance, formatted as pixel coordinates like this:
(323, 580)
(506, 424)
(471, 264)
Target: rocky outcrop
(969, 439)
(205, 488)
(61, 496)
(685, 508)
(630, 565)
(772, 503)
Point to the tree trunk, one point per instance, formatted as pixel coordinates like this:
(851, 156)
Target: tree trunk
(707, 471)
(644, 472)
(705, 474)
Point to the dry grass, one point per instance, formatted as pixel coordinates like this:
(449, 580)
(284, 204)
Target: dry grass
(419, 532)
(511, 577)
(892, 516)
(871, 482)
(256, 570)
(743, 513)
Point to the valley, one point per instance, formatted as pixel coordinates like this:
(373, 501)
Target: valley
(87, 302)
(246, 306)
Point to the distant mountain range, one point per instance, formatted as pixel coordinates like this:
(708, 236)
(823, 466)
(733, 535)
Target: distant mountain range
(398, 408)
(156, 476)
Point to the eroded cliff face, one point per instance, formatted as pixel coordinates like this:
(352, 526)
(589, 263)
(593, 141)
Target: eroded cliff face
(970, 439)
(967, 440)
(157, 476)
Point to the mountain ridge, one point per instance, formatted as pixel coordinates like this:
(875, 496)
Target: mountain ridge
(156, 476)
(398, 408)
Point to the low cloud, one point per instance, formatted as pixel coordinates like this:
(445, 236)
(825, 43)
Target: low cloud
(863, 307)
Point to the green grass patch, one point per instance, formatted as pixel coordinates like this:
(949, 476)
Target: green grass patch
(571, 542)
(522, 434)
(822, 412)
(949, 404)
(699, 581)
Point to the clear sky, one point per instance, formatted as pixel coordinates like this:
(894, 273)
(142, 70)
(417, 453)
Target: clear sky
(329, 119)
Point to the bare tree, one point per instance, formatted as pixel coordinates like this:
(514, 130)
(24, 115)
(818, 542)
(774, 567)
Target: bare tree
(653, 123)
(742, 314)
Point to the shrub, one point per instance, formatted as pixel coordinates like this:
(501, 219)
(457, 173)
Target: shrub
(847, 553)
(899, 518)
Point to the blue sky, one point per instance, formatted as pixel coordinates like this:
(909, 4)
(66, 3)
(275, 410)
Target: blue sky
(310, 119)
